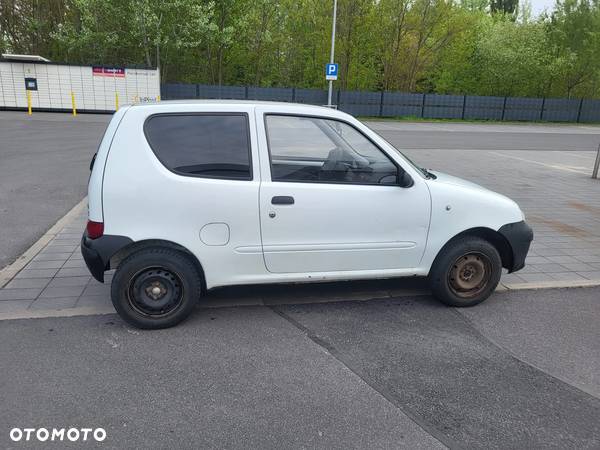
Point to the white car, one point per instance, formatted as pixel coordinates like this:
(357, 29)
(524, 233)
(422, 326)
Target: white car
(188, 196)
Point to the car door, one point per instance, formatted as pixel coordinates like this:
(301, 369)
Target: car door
(189, 174)
(331, 200)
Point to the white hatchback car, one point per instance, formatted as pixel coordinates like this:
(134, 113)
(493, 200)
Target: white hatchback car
(188, 196)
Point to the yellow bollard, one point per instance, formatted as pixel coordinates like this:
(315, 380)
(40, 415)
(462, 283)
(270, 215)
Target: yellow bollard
(73, 104)
(29, 102)
(116, 101)
(158, 98)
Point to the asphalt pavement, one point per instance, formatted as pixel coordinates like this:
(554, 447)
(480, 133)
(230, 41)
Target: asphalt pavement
(403, 372)
(494, 136)
(44, 169)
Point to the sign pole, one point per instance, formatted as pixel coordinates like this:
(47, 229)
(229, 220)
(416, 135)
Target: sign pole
(332, 52)
(596, 164)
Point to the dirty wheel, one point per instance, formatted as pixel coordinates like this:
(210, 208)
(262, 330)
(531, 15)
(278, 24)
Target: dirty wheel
(469, 275)
(466, 272)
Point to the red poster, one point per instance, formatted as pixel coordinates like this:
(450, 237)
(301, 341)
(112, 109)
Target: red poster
(99, 71)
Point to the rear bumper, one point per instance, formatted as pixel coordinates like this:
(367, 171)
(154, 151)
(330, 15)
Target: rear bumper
(519, 235)
(97, 252)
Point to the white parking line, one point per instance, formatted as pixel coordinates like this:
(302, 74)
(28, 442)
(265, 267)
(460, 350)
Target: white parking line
(551, 166)
(590, 155)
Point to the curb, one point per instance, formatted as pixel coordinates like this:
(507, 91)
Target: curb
(9, 272)
(550, 285)
(46, 313)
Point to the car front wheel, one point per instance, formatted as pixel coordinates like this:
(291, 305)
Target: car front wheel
(156, 288)
(466, 272)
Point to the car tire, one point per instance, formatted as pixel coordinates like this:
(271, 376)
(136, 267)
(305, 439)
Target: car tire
(465, 272)
(156, 288)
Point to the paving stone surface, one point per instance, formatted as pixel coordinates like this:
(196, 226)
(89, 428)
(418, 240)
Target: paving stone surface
(56, 278)
(12, 306)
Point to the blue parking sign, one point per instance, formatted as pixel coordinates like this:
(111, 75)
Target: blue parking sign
(331, 71)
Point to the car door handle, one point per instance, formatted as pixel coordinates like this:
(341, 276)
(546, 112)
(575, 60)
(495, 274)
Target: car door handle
(282, 200)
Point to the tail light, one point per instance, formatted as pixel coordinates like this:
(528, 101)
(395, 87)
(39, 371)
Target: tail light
(94, 229)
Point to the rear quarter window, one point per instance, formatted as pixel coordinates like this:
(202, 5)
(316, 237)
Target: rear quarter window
(202, 145)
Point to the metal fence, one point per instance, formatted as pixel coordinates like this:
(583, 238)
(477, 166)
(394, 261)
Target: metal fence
(394, 104)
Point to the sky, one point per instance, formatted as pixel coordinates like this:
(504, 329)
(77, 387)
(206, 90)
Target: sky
(538, 6)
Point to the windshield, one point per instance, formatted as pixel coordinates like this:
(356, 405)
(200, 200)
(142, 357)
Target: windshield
(424, 173)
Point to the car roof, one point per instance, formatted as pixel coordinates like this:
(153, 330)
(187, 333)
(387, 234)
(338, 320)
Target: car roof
(241, 103)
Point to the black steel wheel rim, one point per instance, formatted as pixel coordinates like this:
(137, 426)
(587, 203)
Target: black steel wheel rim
(155, 292)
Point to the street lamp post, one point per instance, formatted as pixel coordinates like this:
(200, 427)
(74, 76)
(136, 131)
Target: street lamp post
(596, 164)
(332, 52)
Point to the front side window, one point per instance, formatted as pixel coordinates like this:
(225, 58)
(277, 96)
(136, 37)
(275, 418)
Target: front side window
(312, 149)
(202, 145)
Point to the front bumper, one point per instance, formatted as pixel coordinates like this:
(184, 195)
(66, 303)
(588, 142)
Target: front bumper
(97, 252)
(519, 235)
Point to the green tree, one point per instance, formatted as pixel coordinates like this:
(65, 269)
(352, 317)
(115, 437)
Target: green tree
(504, 6)
(446, 46)
(499, 57)
(574, 31)
(26, 24)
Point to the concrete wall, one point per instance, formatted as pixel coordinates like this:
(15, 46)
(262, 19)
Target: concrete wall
(93, 88)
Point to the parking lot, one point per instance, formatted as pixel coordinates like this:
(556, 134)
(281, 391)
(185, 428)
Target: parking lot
(43, 172)
(544, 167)
(519, 371)
(375, 364)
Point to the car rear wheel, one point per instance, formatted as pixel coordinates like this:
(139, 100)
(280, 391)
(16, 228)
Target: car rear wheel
(466, 272)
(156, 288)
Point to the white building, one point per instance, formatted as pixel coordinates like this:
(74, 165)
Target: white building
(55, 86)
